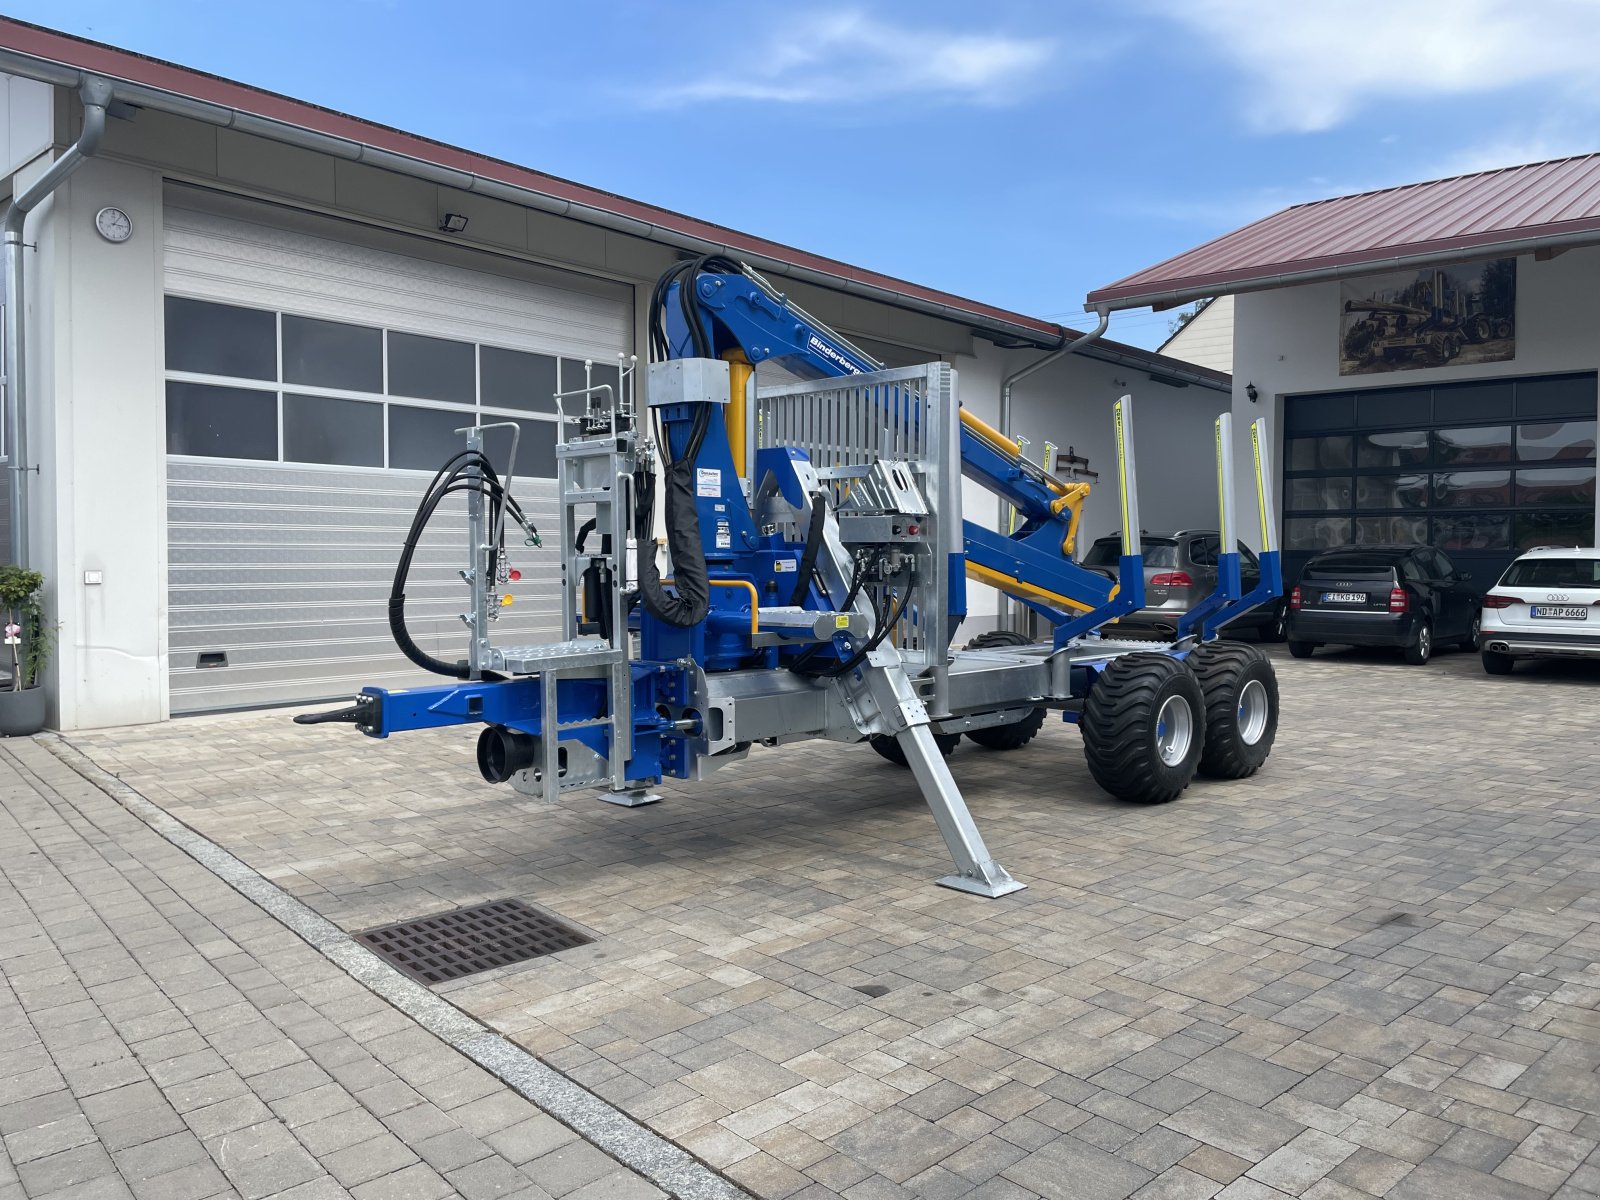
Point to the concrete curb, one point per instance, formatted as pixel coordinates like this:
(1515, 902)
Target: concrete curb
(667, 1166)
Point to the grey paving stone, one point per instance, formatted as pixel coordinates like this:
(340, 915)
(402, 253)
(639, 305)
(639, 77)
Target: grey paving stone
(1068, 1169)
(66, 1170)
(530, 1138)
(368, 1160)
(625, 1185)
(138, 1127)
(1231, 1125)
(897, 1144)
(1476, 1149)
(49, 1138)
(195, 1181)
(1241, 1076)
(493, 1177)
(416, 1182)
(445, 1152)
(272, 1173)
(568, 1168)
(1444, 1180)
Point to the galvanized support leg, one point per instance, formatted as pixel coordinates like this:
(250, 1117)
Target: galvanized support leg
(976, 871)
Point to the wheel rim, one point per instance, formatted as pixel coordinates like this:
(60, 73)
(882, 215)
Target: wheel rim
(1174, 730)
(1253, 708)
(1424, 641)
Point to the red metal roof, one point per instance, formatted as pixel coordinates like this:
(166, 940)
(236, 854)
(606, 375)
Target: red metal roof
(1512, 208)
(86, 55)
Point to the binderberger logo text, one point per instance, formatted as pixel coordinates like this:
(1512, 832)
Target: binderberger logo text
(813, 342)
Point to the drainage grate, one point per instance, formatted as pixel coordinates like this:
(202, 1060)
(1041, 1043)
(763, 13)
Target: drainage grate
(465, 941)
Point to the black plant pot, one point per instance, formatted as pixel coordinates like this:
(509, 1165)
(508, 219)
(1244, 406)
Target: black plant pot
(21, 713)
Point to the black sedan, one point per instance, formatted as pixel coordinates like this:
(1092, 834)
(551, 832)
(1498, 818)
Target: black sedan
(1408, 597)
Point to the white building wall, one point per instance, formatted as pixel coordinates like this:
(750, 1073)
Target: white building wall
(1207, 340)
(97, 434)
(1069, 403)
(27, 114)
(1286, 342)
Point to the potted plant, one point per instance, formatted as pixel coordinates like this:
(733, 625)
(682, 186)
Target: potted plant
(29, 639)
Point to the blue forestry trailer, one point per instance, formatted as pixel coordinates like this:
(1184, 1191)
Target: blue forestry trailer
(818, 570)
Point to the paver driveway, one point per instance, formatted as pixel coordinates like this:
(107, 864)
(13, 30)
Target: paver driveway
(1370, 970)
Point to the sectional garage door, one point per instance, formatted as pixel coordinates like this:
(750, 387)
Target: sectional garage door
(1483, 470)
(316, 373)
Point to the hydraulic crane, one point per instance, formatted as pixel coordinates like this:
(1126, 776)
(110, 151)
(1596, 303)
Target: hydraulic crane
(818, 578)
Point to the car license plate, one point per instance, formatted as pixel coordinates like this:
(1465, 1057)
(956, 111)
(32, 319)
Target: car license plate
(1344, 597)
(1561, 612)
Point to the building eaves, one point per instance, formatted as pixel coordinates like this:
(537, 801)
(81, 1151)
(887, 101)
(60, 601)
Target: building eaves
(1511, 210)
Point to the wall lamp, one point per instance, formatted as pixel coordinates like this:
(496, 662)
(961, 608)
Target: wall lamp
(1250, 391)
(453, 223)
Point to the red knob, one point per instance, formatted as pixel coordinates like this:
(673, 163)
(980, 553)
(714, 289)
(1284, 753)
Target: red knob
(515, 575)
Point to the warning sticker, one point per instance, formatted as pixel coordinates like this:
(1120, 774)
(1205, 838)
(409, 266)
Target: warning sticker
(785, 564)
(708, 481)
(724, 535)
(841, 622)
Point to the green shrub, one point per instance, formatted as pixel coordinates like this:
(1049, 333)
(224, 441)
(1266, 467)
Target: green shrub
(24, 611)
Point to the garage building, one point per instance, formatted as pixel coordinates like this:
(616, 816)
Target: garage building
(1428, 354)
(252, 326)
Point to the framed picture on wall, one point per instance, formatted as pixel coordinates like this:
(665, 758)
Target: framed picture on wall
(1439, 317)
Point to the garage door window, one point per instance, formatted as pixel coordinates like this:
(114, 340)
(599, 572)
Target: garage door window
(1466, 475)
(221, 422)
(332, 354)
(432, 368)
(317, 429)
(221, 339)
(246, 383)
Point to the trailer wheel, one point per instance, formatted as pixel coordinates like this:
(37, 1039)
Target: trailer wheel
(1241, 695)
(1015, 734)
(889, 748)
(1012, 736)
(1144, 728)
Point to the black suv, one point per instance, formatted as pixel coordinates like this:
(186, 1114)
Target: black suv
(1409, 597)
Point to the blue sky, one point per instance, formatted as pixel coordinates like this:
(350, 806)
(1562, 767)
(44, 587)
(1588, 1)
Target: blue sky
(1014, 151)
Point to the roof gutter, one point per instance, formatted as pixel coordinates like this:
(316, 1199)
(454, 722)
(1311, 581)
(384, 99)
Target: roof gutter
(1172, 297)
(141, 95)
(96, 95)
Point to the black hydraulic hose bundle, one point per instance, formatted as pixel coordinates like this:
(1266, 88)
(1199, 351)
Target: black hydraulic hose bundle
(467, 471)
(690, 576)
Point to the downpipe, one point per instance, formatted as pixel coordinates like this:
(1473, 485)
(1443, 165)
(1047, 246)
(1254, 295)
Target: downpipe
(96, 94)
(1078, 343)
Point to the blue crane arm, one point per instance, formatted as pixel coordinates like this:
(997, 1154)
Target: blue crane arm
(741, 314)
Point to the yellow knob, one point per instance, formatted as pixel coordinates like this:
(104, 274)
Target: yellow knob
(505, 601)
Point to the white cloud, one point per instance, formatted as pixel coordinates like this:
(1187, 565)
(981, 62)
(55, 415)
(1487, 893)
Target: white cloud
(1312, 64)
(849, 57)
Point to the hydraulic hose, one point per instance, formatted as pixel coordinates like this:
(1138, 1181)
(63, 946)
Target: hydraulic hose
(451, 478)
(808, 560)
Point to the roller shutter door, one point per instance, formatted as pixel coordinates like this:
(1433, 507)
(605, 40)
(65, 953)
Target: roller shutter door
(1482, 469)
(315, 375)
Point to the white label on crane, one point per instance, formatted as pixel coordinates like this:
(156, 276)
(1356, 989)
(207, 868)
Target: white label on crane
(708, 481)
(785, 564)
